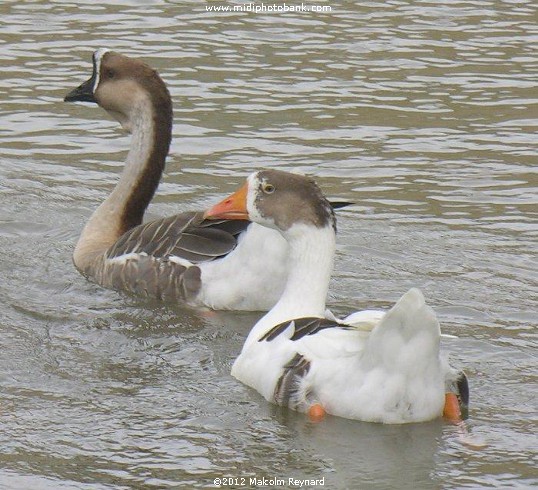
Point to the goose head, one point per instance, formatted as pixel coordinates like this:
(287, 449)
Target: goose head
(278, 200)
(124, 87)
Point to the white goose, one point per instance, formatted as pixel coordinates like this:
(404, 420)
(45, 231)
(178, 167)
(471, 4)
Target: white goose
(379, 368)
(225, 264)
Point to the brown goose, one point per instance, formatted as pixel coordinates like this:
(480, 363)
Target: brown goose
(372, 366)
(224, 264)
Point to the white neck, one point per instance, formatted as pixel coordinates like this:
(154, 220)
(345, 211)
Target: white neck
(105, 225)
(311, 262)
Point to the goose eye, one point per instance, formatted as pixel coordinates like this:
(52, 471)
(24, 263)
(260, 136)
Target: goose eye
(268, 188)
(110, 73)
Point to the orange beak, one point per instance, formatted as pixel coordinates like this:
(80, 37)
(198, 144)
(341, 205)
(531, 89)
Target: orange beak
(233, 207)
(452, 410)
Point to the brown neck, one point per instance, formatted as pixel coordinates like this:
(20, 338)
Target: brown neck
(150, 121)
(148, 178)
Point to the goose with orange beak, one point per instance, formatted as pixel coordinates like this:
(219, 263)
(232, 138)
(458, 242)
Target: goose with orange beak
(224, 265)
(373, 366)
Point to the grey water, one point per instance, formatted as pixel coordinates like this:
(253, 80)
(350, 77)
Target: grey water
(424, 114)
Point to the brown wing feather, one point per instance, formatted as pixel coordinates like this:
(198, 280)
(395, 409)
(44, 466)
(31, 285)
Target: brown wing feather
(150, 272)
(185, 235)
(302, 327)
(148, 276)
(287, 389)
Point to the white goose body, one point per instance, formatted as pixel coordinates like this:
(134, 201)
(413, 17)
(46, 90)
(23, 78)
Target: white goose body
(385, 367)
(226, 264)
(250, 277)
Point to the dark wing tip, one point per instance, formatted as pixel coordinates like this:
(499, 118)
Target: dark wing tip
(340, 204)
(463, 393)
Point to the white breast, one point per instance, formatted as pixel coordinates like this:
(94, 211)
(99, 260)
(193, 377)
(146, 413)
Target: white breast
(251, 277)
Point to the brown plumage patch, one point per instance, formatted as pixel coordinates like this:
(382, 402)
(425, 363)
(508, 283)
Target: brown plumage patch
(151, 272)
(296, 199)
(287, 389)
(184, 235)
(302, 327)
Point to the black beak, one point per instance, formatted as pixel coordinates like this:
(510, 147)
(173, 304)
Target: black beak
(83, 93)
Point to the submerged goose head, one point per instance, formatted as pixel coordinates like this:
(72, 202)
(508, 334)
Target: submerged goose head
(124, 87)
(279, 200)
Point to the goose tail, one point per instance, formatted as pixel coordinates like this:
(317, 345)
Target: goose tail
(407, 334)
(404, 348)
